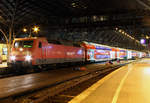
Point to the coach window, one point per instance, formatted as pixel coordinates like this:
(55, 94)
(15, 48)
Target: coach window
(40, 45)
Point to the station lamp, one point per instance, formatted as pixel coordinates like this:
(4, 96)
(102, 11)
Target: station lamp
(147, 37)
(116, 28)
(142, 41)
(24, 30)
(120, 30)
(123, 32)
(36, 29)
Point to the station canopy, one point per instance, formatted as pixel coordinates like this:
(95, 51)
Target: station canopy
(130, 16)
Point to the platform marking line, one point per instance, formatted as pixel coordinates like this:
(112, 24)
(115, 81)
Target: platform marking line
(87, 92)
(115, 98)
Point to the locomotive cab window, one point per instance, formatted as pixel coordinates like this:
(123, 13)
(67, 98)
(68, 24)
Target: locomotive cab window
(23, 44)
(40, 45)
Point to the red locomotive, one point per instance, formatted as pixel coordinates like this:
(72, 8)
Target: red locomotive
(38, 51)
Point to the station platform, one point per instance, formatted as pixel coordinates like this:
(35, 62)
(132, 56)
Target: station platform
(3, 65)
(129, 84)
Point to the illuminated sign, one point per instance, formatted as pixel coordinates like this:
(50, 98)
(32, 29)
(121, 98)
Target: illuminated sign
(102, 48)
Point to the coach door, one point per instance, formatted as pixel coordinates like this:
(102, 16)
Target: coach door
(40, 55)
(91, 54)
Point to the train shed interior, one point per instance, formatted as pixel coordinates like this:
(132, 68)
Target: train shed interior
(74, 51)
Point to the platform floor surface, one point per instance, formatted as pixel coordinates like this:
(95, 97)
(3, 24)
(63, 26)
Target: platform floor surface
(3, 65)
(128, 84)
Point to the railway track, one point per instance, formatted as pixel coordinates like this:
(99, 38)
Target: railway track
(63, 91)
(9, 72)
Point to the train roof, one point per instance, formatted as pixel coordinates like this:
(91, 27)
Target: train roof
(60, 42)
(30, 38)
(70, 43)
(95, 44)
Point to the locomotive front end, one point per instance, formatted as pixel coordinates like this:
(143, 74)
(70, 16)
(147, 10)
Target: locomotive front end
(21, 53)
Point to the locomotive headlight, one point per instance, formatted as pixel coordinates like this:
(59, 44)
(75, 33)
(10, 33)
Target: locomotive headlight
(21, 49)
(13, 58)
(28, 57)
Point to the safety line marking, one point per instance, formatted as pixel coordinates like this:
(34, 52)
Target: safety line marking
(115, 98)
(87, 92)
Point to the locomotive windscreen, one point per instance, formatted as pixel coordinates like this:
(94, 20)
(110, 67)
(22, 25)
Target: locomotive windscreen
(23, 44)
